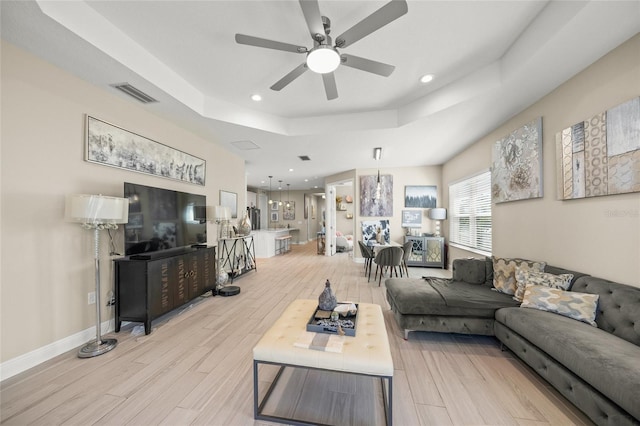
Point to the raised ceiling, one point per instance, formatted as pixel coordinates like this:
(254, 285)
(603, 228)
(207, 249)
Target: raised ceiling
(490, 60)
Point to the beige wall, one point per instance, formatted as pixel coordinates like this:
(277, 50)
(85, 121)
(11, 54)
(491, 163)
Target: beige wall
(47, 264)
(599, 236)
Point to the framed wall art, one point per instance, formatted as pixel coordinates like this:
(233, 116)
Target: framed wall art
(601, 155)
(114, 146)
(375, 232)
(420, 196)
(274, 216)
(374, 202)
(516, 172)
(289, 213)
(412, 218)
(230, 199)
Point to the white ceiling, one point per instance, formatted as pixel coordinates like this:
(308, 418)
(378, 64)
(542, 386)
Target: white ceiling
(490, 59)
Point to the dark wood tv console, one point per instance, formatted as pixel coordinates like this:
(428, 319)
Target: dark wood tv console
(151, 284)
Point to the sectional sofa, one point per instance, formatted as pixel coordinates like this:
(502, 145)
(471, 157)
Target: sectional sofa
(594, 360)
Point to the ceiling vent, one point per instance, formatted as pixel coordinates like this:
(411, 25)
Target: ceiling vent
(304, 157)
(134, 93)
(245, 145)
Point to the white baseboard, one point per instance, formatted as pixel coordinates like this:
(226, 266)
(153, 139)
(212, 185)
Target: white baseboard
(29, 360)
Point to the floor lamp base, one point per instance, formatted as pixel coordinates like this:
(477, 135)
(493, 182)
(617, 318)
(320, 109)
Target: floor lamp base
(95, 348)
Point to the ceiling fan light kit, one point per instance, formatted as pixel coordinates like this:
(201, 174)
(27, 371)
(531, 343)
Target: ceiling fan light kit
(324, 58)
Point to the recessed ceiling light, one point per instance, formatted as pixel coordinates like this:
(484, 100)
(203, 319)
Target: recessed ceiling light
(306, 180)
(426, 78)
(290, 170)
(256, 97)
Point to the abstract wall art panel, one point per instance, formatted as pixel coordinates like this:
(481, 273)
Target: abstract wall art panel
(601, 155)
(516, 172)
(374, 202)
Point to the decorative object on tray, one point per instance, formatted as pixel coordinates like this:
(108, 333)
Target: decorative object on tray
(327, 300)
(341, 320)
(346, 309)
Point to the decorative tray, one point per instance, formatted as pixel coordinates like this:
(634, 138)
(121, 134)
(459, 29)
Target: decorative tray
(321, 322)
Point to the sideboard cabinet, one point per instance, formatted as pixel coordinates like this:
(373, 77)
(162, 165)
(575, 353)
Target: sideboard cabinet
(426, 251)
(150, 285)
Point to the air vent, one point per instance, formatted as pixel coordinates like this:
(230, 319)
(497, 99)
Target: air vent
(304, 157)
(134, 93)
(245, 145)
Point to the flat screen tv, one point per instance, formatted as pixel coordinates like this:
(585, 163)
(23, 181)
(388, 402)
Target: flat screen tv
(162, 219)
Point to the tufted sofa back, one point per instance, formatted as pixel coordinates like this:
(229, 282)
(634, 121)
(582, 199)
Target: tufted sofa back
(618, 306)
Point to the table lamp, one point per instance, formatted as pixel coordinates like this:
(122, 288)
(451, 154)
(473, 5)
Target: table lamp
(223, 214)
(437, 215)
(97, 212)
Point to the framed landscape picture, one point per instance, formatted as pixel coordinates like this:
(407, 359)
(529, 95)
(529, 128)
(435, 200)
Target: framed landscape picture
(420, 196)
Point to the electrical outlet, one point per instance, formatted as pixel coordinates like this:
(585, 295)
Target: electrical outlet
(91, 298)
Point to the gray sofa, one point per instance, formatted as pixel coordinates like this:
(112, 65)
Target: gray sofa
(595, 368)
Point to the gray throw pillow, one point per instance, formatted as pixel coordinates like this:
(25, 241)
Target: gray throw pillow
(470, 271)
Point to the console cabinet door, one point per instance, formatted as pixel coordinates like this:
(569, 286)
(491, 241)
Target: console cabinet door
(161, 276)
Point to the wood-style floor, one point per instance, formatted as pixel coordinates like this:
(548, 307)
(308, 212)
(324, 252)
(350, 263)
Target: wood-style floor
(196, 367)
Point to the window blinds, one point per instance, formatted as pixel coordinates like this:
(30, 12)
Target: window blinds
(470, 213)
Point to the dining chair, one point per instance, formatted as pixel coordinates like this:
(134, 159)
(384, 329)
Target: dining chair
(367, 253)
(407, 247)
(388, 258)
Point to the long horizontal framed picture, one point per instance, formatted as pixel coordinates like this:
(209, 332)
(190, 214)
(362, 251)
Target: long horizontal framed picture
(114, 146)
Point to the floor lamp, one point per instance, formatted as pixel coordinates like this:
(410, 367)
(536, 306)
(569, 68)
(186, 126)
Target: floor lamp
(97, 213)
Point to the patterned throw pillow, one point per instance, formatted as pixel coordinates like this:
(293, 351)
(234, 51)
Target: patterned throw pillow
(504, 272)
(524, 277)
(578, 306)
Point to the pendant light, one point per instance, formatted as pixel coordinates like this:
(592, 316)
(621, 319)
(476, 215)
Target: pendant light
(270, 200)
(280, 188)
(377, 153)
(288, 198)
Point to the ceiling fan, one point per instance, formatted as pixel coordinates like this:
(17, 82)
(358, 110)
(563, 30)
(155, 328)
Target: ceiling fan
(323, 58)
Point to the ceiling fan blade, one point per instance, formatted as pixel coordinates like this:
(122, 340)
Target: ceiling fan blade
(378, 19)
(367, 65)
(269, 44)
(297, 72)
(330, 88)
(312, 15)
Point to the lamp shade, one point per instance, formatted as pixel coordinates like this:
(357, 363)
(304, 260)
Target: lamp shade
(96, 209)
(223, 213)
(437, 214)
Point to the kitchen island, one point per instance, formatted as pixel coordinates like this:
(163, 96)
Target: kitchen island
(265, 240)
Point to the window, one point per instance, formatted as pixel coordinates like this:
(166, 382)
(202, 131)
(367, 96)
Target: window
(470, 213)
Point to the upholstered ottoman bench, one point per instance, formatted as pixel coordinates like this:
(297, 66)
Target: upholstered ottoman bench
(367, 353)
